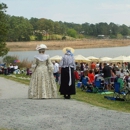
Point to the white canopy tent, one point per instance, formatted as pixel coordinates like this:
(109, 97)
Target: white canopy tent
(92, 58)
(80, 58)
(104, 59)
(120, 59)
(56, 58)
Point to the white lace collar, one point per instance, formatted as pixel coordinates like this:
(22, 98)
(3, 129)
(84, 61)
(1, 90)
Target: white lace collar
(41, 57)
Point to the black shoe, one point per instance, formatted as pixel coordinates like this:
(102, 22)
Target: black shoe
(67, 97)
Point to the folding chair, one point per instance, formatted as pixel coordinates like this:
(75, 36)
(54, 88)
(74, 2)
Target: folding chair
(100, 87)
(119, 94)
(85, 84)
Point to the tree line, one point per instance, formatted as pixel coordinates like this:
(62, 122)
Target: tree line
(22, 29)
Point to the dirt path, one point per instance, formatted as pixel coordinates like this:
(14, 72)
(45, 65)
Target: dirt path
(19, 112)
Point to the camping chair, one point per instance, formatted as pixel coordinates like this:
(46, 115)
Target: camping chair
(85, 84)
(99, 86)
(118, 93)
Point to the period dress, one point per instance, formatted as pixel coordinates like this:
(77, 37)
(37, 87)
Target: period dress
(42, 82)
(67, 85)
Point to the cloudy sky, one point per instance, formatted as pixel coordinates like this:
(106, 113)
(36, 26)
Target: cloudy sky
(76, 11)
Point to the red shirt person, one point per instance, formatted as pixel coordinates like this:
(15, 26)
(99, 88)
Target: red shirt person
(93, 65)
(91, 76)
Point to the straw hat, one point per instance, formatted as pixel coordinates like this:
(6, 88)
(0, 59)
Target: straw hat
(68, 48)
(41, 46)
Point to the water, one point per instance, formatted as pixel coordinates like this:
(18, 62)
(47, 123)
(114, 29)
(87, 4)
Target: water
(97, 52)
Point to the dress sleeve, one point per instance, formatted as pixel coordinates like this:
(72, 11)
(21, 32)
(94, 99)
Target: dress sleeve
(50, 65)
(33, 66)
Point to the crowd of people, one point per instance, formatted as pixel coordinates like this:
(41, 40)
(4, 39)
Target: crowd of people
(13, 69)
(4, 69)
(108, 73)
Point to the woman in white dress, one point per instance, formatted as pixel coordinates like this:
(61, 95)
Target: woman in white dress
(42, 82)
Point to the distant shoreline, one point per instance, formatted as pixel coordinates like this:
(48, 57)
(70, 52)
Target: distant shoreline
(76, 44)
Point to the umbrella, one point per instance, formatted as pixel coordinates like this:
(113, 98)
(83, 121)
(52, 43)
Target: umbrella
(80, 58)
(120, 59)
(105, 59)
(92, 58)
(57, 57)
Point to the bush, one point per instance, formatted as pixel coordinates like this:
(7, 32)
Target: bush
(21, 64)
(9, 59)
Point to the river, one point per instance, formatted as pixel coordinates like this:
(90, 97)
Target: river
(97, 52)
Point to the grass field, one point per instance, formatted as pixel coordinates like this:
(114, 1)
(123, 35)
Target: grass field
(60, 44)
(91, 98)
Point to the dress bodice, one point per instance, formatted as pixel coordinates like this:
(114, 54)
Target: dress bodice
(41, 63)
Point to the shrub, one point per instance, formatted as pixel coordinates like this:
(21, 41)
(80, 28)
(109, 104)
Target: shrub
(9, 59)
(21, 64)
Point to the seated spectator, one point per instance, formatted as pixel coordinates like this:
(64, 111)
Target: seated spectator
(77, 77)
(98, 77)
(11, 68)
(86, 85)
(1, 70)
(96, 71)
(122, 75)
(28, 72)
(91, 76)
(85, 73)
(5, 69)
(119, 80)
(15, 67)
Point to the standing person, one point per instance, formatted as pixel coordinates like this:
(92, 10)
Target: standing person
(93, 66)
(81, 67)
(107, 76)
(128, 65)
(66, 68)
(42, 82)
(56, 70)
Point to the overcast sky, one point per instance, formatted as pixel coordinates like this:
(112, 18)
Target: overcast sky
(76, 11)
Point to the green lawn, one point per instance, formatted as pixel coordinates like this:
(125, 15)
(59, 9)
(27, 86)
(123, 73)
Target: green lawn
(91, 98)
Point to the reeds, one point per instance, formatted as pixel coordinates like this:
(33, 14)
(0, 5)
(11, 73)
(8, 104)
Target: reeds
(76, 44)
(25, 63)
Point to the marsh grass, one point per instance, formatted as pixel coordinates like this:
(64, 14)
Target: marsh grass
(76, 44)
(25, 63)
(91, 98)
